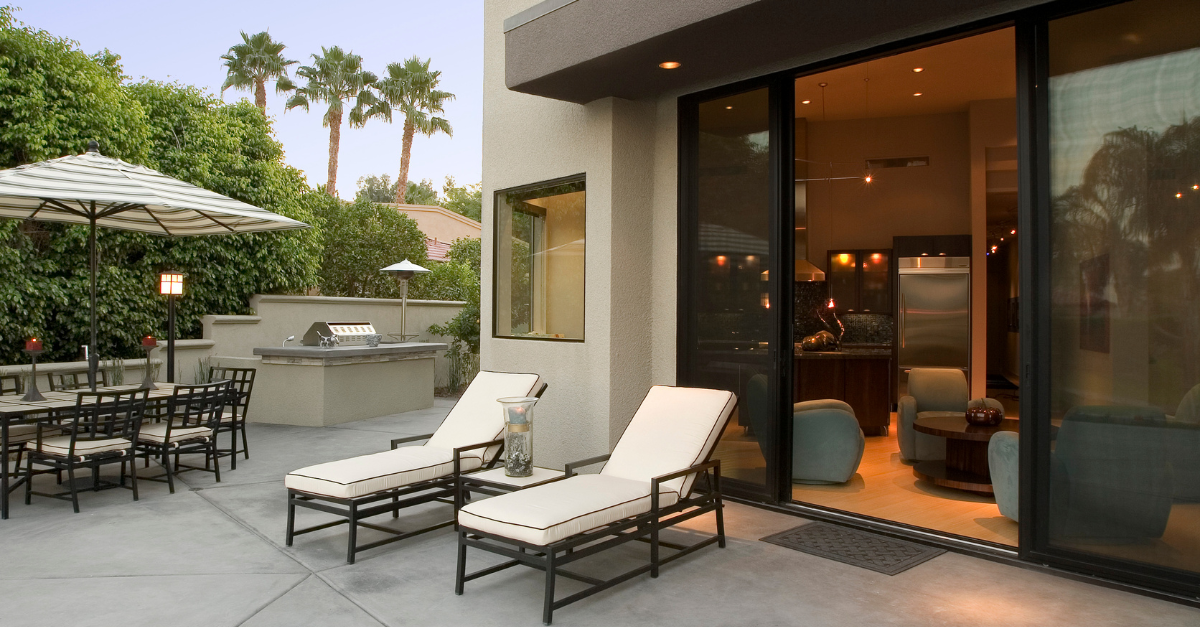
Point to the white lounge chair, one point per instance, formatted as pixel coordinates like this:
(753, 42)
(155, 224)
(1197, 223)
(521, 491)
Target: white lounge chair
(467, 440)
(644, 487)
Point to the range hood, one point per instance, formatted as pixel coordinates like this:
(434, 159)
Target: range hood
(806, 271)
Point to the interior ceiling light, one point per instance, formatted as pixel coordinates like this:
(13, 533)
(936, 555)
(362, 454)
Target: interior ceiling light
(1196, 187)
(805, 102)
(729, 107)
(669, 65)
(917, 93)
(1178, 195)
(867, 178)
(918, 70)
(1012, 232)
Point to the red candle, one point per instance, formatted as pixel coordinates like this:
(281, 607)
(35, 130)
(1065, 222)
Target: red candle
(149, 341)
(33, 344)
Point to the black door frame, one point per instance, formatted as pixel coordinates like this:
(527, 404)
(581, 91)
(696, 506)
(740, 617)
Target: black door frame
(1031, 27)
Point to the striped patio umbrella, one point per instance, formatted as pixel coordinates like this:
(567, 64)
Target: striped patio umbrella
(96, 190)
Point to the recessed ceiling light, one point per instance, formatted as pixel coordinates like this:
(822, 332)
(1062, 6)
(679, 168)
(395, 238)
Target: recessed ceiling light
(917, 94)
(805, 102)
(729, 107)
(668, 65)
(918, 70)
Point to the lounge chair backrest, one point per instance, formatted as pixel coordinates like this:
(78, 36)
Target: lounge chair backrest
(477, 417)
(673, 429)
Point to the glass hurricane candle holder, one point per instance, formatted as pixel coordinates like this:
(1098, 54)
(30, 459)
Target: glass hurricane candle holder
(518, 435)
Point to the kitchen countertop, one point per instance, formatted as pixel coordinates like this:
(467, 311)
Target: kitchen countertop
(848, 352)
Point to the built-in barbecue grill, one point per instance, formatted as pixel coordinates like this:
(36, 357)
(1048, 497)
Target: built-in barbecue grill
(338, 333)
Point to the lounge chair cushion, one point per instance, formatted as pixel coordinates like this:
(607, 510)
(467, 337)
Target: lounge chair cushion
(60, 446)
(674, 428)
(551, 512)
(157, 433)
(477, 417)
(369, 474)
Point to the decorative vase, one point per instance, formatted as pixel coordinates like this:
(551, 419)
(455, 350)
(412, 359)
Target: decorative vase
(984, 416)
(518, 435)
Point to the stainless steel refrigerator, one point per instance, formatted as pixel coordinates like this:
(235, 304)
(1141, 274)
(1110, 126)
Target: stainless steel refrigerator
(933, 314)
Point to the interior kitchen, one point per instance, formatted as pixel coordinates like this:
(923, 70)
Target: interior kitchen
(905, 234)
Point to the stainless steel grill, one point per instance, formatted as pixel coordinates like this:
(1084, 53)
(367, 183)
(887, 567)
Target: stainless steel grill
(337, 333)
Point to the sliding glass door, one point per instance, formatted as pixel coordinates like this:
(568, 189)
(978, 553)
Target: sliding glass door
(729, 333)
(1120, 480)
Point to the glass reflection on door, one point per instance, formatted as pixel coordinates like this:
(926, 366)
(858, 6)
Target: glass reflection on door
(1124, 96)
(729, 305)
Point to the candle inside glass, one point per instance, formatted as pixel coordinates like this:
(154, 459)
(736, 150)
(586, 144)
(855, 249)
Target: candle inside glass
(33, 344)
(518, 436)
(149, 341)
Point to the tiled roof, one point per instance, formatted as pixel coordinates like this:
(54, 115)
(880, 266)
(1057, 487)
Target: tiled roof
(435, 250)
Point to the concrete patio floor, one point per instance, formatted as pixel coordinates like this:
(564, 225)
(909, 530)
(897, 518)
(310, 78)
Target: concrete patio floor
(212, 555)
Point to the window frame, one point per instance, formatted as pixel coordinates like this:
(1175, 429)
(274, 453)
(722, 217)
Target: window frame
(562, 180)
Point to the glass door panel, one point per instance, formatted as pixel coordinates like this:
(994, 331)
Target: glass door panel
(732, 331)
(1124, 456)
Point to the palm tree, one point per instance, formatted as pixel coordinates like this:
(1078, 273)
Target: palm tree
(252, 63)
(411, 88)
(334, 77)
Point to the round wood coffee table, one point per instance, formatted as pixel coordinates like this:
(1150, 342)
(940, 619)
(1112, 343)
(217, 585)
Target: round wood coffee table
(966, 463)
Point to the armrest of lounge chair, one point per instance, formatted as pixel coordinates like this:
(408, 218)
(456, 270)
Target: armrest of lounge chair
(569, 469)
(411, 438)
(470, 447)
(715, 465)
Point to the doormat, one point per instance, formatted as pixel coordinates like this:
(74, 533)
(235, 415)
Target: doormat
(857, 548)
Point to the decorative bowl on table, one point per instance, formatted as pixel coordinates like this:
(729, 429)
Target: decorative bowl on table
(984, 416)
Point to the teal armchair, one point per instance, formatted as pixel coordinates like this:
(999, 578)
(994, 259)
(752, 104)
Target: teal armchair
(827, 443)
(932, 389)
(1004, 457)
(1183, 450)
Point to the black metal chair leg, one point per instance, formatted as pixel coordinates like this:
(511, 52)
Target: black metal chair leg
(353, 541)
(396, 503)
(166, 459)
(654, 550)
(96, 478)
(548, 607)
(132, 475)
(29, 479)
(462, 563)
(720, 523)
(245, 444)
(233, 450)
(212, 450)
(71, 480)
(291, 523)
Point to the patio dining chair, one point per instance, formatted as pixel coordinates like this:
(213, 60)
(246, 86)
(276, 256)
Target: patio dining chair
(193, 413)
(78, 380)
(233, 418)
(11, 384)
(369, 485)
(103, 430)
(645, 487)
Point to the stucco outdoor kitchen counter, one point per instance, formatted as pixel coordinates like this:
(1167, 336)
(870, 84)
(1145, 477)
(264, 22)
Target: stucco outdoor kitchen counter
(314, 386)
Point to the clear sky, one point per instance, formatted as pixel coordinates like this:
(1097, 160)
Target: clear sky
(171, 40)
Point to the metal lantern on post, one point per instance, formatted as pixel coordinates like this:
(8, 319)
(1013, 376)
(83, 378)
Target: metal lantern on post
(170, 285)
(404, 271)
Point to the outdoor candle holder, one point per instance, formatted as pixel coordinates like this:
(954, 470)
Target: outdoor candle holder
(33, 394)
(148, 380)
(518, 435)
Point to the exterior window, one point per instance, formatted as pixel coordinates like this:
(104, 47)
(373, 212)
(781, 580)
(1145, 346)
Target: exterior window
(539, 278)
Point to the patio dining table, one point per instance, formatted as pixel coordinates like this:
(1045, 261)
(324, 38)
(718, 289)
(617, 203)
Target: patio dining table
(13, 411)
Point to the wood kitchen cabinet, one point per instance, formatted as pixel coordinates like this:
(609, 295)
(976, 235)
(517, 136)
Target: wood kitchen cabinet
(860, 281)
(864, 382)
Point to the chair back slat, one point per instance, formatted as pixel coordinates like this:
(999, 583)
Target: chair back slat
(674, 428)
(10, 384)
(242, 386)
(75, 380)
(197, 405)
(106, 415)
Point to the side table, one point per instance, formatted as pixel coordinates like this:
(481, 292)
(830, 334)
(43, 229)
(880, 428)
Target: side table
(494, 482)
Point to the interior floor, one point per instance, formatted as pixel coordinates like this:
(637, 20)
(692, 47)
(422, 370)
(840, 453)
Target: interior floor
(886, 488)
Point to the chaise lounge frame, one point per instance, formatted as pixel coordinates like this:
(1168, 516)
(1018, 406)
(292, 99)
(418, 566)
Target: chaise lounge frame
(445, 489)
(644, 527)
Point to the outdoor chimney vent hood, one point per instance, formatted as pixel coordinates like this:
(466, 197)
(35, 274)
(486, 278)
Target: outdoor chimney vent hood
(806, 271)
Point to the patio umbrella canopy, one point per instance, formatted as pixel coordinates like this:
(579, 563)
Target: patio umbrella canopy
(96, 190)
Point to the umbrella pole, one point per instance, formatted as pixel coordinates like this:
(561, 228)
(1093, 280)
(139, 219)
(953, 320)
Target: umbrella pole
(93, 354)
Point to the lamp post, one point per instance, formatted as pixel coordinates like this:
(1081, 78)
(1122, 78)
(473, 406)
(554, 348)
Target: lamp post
(170, 285)
(404, 271)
